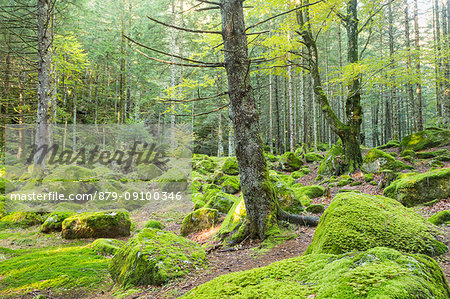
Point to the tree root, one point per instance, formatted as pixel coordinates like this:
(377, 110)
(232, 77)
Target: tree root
(298, 219)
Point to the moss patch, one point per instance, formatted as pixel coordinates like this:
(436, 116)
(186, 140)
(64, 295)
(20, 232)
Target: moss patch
(312, 191)
(231, 185)
(289, 162)
(313, 157)
(377, 273)
(359, 221)
(147, 172)
(420, 188)
(376, 161)
(22, 219)
(428, 138)
(230, 166)
(440, 218)
(331, 163)
(154, 224)
(216, 199)
(106, 246)
(54, 221)
(390, 144)
(154, 257)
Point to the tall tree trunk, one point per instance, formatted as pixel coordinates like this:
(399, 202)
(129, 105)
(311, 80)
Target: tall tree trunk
(45, 40)
(438, 58)
(393, 90)
(446, 66)
(418, 85)
(278, 141)
(409, 67)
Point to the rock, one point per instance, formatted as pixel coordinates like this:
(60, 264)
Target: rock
(233, 221)
(376, 273)
(219, 200)
(432, 137)
(54, 221)
(21, 219)
(2, 206)
(312, 191)
(108, 224)
(289, 162)
(313, 157)
(174, 180)
(420, 188)
(344, 180)
(271, 158)
(70, 173)
(356, 221)
(198, 200)
(286, 197)
(6, 186)
(428, 155)
(154, 224)
(230, 166)
(154, 257)
(147, 172)
(390, 144)
(440, 218)
(408, 153)
(203, 163)
(331, 163)
(376, 161)
(231, 185)
(106, 246)
(199, 220)
(315, 209)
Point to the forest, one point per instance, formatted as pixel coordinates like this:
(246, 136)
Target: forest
(225, 149)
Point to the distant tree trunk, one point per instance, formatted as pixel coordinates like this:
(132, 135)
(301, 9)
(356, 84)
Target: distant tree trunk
(45, 40)
(278, 141)
(393, 90)
(418, 85)
(446, 66)
(438, 58)
(409, 67)
(291, 112)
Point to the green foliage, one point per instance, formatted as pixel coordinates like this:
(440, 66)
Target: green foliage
(154, 257)
(359, 222)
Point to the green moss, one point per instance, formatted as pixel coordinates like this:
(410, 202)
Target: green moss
(230, 166)
(2, 206)
(376, 161)
(305, 200)
(203, 163)
(313, 157)
(420, 188)
(108, 224)
(197, 199)
(271, 158)
(70, 173)
(315, 209)
(154, 224)
(436, 163)
(440, 217)
(174, 180)
(390, 144)
(231, 185)
(154, 257)
(53, 223)
(209, 187)
(289, 162)
(234, 219)
(6, 186)
(286, 197)
(428, 155)
(368, 177)
(297, 174)
(312, 191)
(63, 270)
(355, 183)
(432, 137)
(408, 153)
(21, 219)
(147, 172)
(330, 164)
(377, 273)
(106, 246)
(344, 180)
(219, 200)
(199, 220)
(358, 222)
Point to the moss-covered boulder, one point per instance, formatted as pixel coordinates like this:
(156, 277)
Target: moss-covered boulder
(106, 247)
(154, 257)
(216, 199)
(230, 166)
(312, 191)
(377, 160)
(432, 137)
(315, 209)
(440, 218)
(154, 224)
(289, 162)
(331, 163)
(2, 206)
(305, 200)
(286, 196)
(198, 200)
(313, 157)
(174, 180)
(22, 219)
(147, 172)
(53, 223)
(199, 220)
(356, 221)
(375, 273)
(6, 186)
(203, 163)
(420, 188)
(108, 224)
(233, 221)
(390, 144)
(432, 154)
(231, 185)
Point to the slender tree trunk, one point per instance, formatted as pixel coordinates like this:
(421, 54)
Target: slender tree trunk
(279, 143)
(446, 66)
(410, 88)
(438, 58)
(393, 90)
(418, 85)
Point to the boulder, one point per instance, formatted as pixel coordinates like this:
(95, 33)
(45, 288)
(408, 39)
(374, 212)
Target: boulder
(203, 163)
(376, 161)
(376, 273)
(174, 180)
(289, 162)
(312, 191)
(106, 247)
(147, 172)
(428, 155)
(356, 221)
(330, 165)
(199, 220)
(286, 197)
(231, 185)
(22, 219)
(313, 157)
(216, 199)
(390, 144)
(315, 209)
(154, 257)
(230, 166)
(440, 218)
(108, 224)
(154, 224)
(233, 221)
(198, 200)
(432, 137)
(54, 221)
(420, 188)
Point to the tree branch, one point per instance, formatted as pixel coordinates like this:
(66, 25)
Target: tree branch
(197, 99)
(205, 113)
(181, 64)
(184, 29)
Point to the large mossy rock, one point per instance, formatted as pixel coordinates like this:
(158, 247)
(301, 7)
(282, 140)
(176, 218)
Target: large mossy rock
(108, 224)
(174, 180)
(356, 221)
(199, 220)
(285, 194)
(289, 162)
(230, 166)
(203, 163)
(216, 199)
(70, 173)
(233, 221)
(312, 191)
(153, 257)
(432, 137)
(231, 185)
(53, 223)
(420, 188)
(313, 157)
(376, 161)
(331, 163)
(106, 246)
(376, 273)
(440, 218)
(147, 172)
(21, 219)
